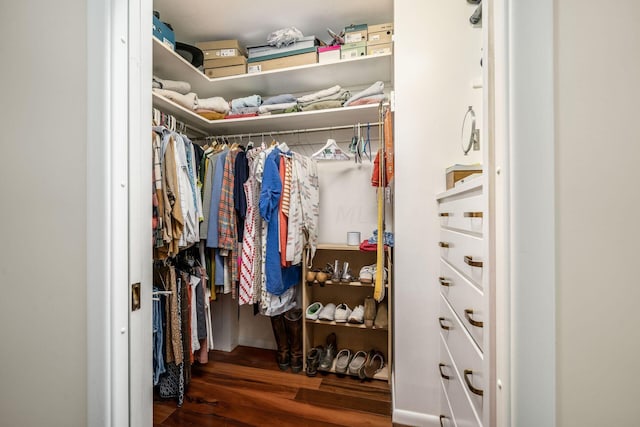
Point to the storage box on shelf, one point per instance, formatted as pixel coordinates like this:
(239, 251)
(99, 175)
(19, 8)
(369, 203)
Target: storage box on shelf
(353, 336)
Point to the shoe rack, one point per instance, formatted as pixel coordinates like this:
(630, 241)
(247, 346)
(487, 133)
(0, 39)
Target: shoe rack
(353, 336)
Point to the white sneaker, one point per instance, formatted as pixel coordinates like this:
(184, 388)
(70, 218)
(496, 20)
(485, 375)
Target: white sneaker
(368, 274)
(313, 310)
(342, 313)
(327, 312)
(357, 315)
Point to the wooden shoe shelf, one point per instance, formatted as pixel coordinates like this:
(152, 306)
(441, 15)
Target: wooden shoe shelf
(349, 335)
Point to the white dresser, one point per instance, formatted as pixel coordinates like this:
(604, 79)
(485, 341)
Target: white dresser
(464, 308)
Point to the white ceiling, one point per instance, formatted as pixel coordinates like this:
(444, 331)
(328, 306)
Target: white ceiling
(203, 20)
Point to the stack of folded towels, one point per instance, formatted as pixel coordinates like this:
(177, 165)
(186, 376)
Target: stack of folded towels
(213, 108)
(371, 95)
(333, 97)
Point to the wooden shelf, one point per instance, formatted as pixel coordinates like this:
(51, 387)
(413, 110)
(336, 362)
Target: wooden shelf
(357, 284)
(344, 324)
(348, 73)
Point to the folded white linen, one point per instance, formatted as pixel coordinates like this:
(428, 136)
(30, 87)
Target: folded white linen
(374, 89)
(174, 85)
(274, 107)
(319, 94)
(190, 100)
(215, 103)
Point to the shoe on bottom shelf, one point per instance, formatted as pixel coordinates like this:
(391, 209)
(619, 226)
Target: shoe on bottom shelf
(373, 365)
(329, 353)
(357, 362)
(357, 315)
(313, 359)
(342, 361)
(342, 313)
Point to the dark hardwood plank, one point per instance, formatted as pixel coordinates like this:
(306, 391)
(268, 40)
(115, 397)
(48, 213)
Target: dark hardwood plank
(344, 401)
(261, 375)
(162, 410)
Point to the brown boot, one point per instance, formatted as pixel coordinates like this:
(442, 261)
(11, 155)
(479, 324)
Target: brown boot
(293, 322)
(280, 334)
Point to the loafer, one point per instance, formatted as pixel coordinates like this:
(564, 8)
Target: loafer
(313, 310)
(342, 361)
(374, 364)
(327, 312)
(342, 313)
(357, 362)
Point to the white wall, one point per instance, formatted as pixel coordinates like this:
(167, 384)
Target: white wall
(42, 185)
(597, 151)
(437, 55)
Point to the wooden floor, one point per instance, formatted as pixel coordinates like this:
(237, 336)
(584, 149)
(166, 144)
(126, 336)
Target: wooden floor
(246, 388)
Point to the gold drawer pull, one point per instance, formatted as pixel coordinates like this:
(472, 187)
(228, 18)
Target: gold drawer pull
(473, 214)
(442, 325)
(445, 214)
(468, 313)
(443, 244)
(469, 260)
(444, 282)
(472, 389)
(442, 374)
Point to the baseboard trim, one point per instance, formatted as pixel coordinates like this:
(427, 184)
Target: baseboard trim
(417, 419)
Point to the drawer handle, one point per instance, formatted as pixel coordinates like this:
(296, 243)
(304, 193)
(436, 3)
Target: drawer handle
(445, 214)
(443, 244)
(442, 417)
(444, 282)
(473, 390)
(442, 325)
(473, 214)
(468, 313)
(469, 260)
(446, 377)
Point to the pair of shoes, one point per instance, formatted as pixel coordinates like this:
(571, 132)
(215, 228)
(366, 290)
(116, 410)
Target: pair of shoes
(310, 277)
(329, 353)
(368, 274)
(313, 310)
(342, 361)
(382, 317)
(357, 362)
(373, 364)
(340, 275)
(313, 360)
(357, 315)
(342, 313)
(369, 311)
(327, 312)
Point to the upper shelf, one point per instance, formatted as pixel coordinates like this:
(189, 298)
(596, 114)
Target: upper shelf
(357, 72)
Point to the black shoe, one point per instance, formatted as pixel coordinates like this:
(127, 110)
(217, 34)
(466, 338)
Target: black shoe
(329, 354)
(313, 359)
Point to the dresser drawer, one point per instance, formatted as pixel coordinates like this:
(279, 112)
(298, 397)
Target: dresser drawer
(466, 300)
(462, 213)
(466, 356)
(461, 409)
(464, 252)
(446, 414)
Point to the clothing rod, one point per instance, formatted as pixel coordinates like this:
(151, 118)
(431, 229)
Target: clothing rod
(291, 131)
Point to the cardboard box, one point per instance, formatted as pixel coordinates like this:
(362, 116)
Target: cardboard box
(284, 62)
(380, 37)
(457, 172)
(381, 27)
(164, 33)
(353, 50)
(225, 62)
(379, 49)
(328, 54)
(355, 33)
(233, 70)
(219, 44)
(222, 53)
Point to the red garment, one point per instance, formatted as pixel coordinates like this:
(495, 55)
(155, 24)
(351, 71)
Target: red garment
(370, 247)
(375, 176)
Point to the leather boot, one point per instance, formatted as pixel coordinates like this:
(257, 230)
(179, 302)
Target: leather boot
(280, 334)
(293, 322)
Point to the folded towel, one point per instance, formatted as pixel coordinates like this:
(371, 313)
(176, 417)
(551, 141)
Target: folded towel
(375, 89)
(341, 95)
(216, 103)
(373, 99)
(174, 85)
(273, 107)
(320, 94)
(280, 99)
(248, 101)
(189, 100)
(210, 115)
(244, 110)
(322, 105)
